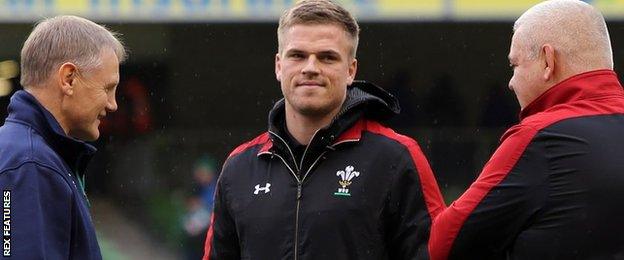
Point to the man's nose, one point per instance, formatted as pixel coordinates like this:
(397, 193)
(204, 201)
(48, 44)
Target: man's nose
(311, 66)
(111, 106)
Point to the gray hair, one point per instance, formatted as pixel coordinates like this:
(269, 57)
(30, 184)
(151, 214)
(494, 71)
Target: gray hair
(573, 27)
(314, 12)
(66, 38)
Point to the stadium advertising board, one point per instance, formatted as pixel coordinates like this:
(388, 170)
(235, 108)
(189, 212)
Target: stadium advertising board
(269, 10)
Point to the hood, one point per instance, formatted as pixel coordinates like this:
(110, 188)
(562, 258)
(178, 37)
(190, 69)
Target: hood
(363, 100)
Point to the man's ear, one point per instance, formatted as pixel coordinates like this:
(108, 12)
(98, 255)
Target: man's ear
(550, 61)
(352, 71)
(278, 67)
(67, 75)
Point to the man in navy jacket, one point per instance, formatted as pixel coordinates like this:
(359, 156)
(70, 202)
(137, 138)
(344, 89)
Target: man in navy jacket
(554, 188)
(70, 71)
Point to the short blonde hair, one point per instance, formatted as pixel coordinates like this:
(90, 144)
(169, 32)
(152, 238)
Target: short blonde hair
(66, 38)
(319, 12)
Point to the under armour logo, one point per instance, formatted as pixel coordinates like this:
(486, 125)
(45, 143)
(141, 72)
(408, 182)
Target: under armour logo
(265, 188)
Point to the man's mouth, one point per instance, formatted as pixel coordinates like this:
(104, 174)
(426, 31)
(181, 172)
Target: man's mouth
(310, 84)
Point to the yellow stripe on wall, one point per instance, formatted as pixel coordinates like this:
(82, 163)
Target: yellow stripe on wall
(72, 6)
(610, 8)
(492, 8)
(242, 9)
(418, 6)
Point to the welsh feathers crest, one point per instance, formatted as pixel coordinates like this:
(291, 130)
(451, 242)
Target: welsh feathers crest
(346, 177)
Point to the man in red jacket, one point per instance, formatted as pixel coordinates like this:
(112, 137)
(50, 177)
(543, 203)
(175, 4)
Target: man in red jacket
(554, 188)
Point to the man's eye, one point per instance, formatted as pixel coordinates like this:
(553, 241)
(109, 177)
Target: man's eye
(328, 58)
(296, 56)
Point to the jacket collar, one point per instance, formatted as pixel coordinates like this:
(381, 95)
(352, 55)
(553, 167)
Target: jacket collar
(352, 134)
(364, 100)
(24, 108)
(582, 86)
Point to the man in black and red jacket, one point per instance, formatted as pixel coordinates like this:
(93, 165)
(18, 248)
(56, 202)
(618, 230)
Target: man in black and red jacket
(328, 180)
(554, 188)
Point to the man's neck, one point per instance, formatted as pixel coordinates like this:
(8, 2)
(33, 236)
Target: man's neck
(303, 128)
(50, 101)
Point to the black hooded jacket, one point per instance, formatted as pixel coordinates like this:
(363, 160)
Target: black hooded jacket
(360, 190)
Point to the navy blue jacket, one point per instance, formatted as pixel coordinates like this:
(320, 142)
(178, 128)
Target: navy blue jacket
(45, 210)
(554, 188)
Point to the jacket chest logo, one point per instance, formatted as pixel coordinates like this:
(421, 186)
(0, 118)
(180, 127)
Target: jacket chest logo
(346, 177)
(266, 188)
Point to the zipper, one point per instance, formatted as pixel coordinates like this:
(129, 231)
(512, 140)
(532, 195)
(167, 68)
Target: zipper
(299, 194)
(296, 252)
(306, 149)
(289, 150)
(299, 191)
(312, 166)
(299, 183)
(287, 166)
(299, 188)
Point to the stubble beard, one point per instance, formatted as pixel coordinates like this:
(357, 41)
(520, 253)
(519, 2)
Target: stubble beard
(315, 109)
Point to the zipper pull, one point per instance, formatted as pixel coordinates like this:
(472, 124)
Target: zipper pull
(299, 191)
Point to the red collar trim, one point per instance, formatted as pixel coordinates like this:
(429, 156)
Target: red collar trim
(266, 147)
(578, 87)
(353, 134)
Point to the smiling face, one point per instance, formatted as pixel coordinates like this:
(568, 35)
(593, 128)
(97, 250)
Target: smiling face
(314, 68)
(92, 97)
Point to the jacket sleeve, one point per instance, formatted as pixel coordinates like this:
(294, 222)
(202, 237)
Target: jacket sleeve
(485, 220)
(36, 205)
(413, 202)
(222, 238)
